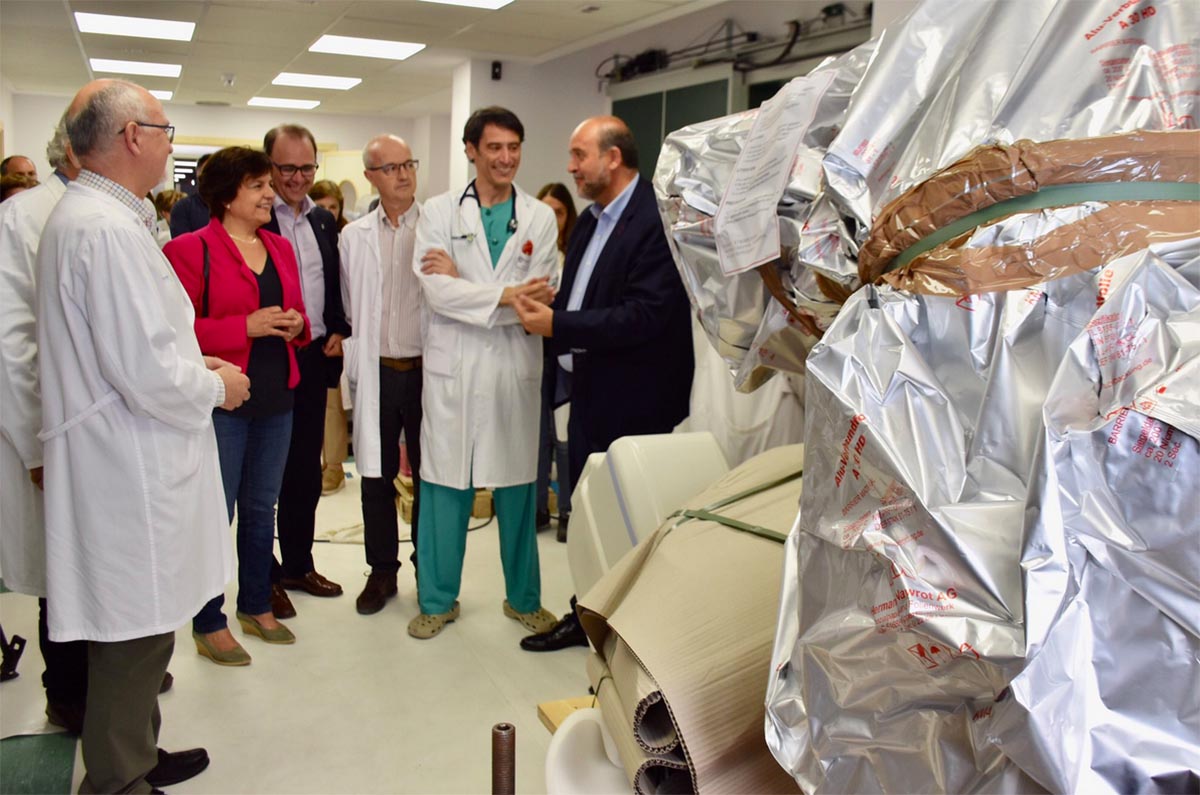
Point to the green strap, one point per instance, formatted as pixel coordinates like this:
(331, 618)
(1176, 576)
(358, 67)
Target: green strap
(707, 512)
(1052, 196)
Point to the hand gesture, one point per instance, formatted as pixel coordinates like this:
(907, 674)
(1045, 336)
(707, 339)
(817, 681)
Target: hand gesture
(435, 260)
(537, 318)
(270, 321)
(237, 386)
(293, 325)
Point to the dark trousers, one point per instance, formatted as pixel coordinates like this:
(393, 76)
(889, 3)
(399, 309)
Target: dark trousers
(65, 677)
(399, 409)
(120, 728)
(301, 487)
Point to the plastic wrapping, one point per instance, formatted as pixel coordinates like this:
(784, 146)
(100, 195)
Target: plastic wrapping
(737, 313)
(903, 619)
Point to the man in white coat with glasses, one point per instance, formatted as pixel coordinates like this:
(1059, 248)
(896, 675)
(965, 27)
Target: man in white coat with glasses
(477, 250)
(137, 537)
(382, 300)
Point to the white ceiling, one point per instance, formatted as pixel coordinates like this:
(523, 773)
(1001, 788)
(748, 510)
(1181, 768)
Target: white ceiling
(42, 50)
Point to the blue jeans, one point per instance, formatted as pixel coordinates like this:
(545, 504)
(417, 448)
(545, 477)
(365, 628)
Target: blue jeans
(253, 451)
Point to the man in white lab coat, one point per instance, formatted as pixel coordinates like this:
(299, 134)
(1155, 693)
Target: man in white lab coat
(22, 530)
(136, 531)
(477, 249)
(382, 357)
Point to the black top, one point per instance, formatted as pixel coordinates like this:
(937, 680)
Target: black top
(268, 367)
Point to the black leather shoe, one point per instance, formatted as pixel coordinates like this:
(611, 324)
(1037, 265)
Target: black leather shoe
(381, 586)
(167, 683)
(567, 632)
(66, 714)
(543, 520)
(561, 534)
(177, 767)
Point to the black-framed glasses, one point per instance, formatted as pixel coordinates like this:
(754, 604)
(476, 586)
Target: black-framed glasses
(169, 129)
(290, 171)
(390, 168)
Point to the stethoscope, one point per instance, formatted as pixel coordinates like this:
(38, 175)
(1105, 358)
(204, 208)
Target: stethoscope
(472, 192)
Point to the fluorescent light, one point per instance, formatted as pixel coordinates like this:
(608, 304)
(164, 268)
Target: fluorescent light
(163, 95)
(491, 5)
(136, 67)
(316, 81)
(366, 48)
(138, 27)
(276, 102)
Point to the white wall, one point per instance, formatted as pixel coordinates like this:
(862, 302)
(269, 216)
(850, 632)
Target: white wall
(889, 11)
(6, 114)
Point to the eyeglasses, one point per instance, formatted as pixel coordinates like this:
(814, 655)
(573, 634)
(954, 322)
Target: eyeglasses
(290, 171)
(169, 129)
(390, 168)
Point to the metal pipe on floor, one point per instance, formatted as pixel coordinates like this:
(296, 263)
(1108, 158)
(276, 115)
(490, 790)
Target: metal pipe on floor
(504, 763)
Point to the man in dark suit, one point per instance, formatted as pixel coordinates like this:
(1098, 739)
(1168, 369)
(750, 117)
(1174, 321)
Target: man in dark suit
(312, 231)
(190, 213)
(618, 333)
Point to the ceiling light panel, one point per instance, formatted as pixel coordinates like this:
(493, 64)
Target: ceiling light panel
(490, 5)
(278, 102)
(136, 27)
(316, 81)
(163, 95)
(135, 67)
(366, 48)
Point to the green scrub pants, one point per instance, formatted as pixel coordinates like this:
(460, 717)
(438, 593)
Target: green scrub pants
(442, 528)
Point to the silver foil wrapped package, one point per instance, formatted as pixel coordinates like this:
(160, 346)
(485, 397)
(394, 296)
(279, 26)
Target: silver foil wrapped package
(900, 663)
(1108, 698)
(940, 85)
(693, 179)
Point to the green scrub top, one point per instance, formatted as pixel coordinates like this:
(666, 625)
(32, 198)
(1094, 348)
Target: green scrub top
(495, 226)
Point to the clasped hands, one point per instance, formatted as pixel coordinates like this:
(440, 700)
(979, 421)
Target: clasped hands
(531, 300)
(273, 321)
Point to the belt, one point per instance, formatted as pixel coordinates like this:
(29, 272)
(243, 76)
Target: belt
(400, 365)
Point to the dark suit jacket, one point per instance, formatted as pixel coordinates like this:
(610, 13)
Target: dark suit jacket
(631, 337)
(324, 227)
(190, 214)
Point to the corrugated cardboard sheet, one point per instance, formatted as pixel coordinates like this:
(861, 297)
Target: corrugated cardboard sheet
(695, 605)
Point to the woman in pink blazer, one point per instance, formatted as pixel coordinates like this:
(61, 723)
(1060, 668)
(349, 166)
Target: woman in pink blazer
(245, 286)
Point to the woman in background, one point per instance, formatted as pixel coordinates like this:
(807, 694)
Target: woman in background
(556, 196)
(245, 286)
(327, 194)
(336, 446)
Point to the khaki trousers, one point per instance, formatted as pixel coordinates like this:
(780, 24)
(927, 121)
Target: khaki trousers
(120, 726)
(334, 452)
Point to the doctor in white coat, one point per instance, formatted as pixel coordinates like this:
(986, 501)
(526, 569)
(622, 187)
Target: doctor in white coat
(477, 249)
(22, 522)
(382, 357)
(137, 538)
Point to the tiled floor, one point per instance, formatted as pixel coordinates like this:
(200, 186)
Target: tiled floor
(357, 706)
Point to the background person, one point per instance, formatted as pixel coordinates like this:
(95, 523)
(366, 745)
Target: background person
(18, 165)
(191, 214)
(244, 286)
(335, 448)
(12, 184)
(551, 449)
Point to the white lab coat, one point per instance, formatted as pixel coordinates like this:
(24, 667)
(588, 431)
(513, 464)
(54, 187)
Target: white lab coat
(22, 528)
(137, 535)
(482, 373)
(362, 293)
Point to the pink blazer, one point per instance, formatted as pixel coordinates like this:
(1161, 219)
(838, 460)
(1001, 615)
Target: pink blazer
(233, 291)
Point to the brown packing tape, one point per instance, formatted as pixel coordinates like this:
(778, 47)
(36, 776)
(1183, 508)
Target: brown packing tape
(1113, 231)
(697, 606)
(993, 174)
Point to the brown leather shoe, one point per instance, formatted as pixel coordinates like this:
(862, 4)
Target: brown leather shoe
(281, 605)
(381, 586)
(312, 583)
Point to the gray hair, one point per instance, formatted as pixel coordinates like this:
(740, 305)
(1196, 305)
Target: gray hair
(56, 147)
(106, 112)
